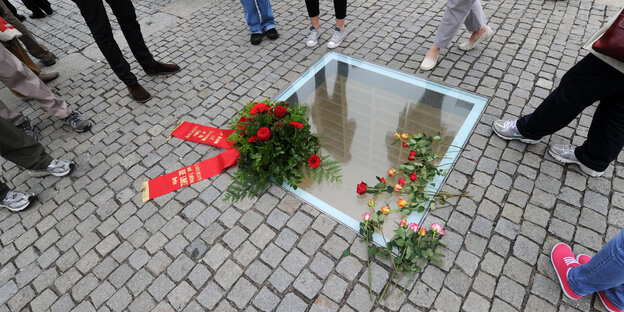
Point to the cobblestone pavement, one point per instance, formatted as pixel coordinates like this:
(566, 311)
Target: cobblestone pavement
(89, 243)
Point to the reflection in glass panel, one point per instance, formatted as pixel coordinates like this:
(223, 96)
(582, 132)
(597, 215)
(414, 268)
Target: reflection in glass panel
(355, 111)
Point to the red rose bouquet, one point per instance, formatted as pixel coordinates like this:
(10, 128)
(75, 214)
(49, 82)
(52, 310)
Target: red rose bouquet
(274, 141)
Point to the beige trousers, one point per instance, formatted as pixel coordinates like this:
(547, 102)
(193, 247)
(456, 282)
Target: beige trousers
(15, 75)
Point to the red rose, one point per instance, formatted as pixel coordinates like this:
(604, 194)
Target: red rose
(402, 181)
(413, 176)
(314, 161)
(361, 188)
(259, 108)
(383, 180)
(411, 158)
(263, 134)
(253, 139)
(280, 111)
(297, 125)
(404, 145)
(412, 155)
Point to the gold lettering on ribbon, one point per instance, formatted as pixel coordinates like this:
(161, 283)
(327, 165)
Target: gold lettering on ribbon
(191, 133)
(198, 172)
(174, 180)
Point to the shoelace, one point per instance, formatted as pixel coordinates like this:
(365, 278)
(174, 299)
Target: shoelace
(337, 34)
(313, 34)
(568, 149)
(570, 260)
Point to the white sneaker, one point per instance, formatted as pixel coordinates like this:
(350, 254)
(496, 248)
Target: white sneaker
(16, 200)
(508, 130)
(336, 38)
(313, 37)
(467, 45)
(565, 154)
(429, 63)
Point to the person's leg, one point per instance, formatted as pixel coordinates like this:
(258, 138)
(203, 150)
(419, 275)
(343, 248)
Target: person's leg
(605, 271)
(15, 118)
(126, 16)
(4, 189)
(45, 5)
(32, 45)
(96, 18)
(15, 75)
(8, 6)
(36, 10)
(16, 48)
(313, 12)
(251, 16)
(454, 16)
(588, 81)
(340, 9)
(21, 149)
(606, 134)
(475, 20)
(266, 14)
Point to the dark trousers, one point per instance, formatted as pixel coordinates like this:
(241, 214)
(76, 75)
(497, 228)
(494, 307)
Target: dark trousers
(10, 6)
(36, 6)
(340, 8)
(95, 15)
(588, 81)
(20, 149)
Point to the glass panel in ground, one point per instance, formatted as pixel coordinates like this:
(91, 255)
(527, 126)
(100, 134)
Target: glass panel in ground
(356, 111)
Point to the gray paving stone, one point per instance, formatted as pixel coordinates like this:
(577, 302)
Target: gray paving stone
(210, 296)
(272, 255)
(266, 300)
(280, 279)
(161, 287)
(228, 274)
(181, 295)
(510, 291)
(291, 302)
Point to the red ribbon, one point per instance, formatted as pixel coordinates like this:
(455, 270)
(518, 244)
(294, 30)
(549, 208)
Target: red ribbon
(197, 172)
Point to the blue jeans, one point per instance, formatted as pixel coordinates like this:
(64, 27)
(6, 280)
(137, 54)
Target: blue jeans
(605, 271)
(258, 23)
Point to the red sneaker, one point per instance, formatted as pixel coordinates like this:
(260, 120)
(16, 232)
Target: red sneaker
(563, 260)
(582, 259)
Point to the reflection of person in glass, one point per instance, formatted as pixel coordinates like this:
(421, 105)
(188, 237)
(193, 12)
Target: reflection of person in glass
(329, 113)
(424, 116)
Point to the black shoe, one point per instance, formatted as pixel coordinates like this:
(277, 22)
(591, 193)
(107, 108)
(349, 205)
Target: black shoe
(20, 17)
(48, 10)
(272, 34)
(256, 39)
(38, 14)
(49, 62)
(28, 129)
(77, 122)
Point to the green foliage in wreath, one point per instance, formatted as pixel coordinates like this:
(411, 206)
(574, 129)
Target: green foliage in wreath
(274, 141)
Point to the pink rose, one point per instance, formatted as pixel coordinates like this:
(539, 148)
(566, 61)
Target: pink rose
(366, 216)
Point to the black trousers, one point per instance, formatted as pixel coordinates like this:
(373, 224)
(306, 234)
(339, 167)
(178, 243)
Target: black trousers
(95, 15)
(37, 6)
(588, 81)
(20, 149)
(340, 8)
(10, 7)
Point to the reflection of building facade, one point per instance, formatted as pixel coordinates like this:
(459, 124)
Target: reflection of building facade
(425, 116)
(330, 113)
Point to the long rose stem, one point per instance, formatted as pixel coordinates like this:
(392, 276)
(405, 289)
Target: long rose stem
(370, 290)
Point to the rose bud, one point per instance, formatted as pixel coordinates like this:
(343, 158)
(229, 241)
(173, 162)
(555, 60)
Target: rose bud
(396, 135)
(385, 209)
(404, 145)
(413, 176)
(391, 172)
(403, 223)
(383, 180)
(402, 181)
(413, 226)
(422, 231)
(398, 187)
(371, 203)
(366, 216)
(401, 202)
(404, 136)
